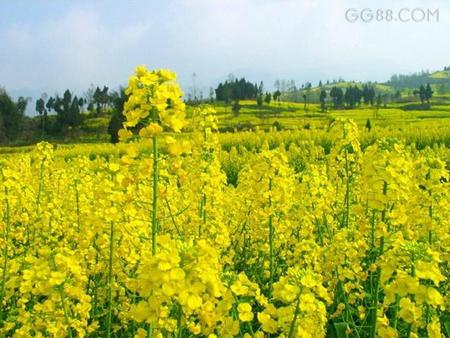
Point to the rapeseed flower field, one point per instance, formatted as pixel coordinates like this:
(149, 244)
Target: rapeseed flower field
(191, 239)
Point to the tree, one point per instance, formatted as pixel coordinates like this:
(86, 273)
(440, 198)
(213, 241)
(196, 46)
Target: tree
(236, 90)
(100, 99)
(22, 104)
(11, 116)
(211, 95)
(89, 98)
(68, 112)
(42, 111)
(118, 99)
(353, 96)
(97, 100)
(368, 125)
(268, 98)
(236, 108)
(259, 95)
(422, 94)
(277, 96)
(337, 94)
(50, 105)
(368, 95)
(428, 93)
(104, 98)
(323, 96)
(259, 101)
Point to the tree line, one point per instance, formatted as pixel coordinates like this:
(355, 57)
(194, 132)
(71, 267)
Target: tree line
(350, 98)
(62, 116)
(58, 116)
(236, 90)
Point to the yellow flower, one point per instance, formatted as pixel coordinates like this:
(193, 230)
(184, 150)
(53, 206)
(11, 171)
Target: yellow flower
(194, 301)
(156, 93)
(434, 297)
(239, 289)
(153, 129)
(141, 70)
(308, 280)
(167, 75)
(387, 332)
(268, 324)
(434, 329)
(177, 274)
(245, 312)
(56, 278)
(140, 333)
(195, 328)
(141, 311)
(230, 327)
(124, 134)
(425, 270)
(408, 311)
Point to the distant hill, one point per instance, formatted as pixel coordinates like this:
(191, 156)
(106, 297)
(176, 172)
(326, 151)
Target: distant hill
(439, 79)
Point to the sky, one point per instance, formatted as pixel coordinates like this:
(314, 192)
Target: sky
(48, 45)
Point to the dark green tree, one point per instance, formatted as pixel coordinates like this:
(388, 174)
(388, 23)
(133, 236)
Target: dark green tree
(277, 96)
(322, 98)
(236, 90)
(42, 111)
(236, 108)
(428, 93)
(368, 125)
(259, 101)
(118, 99)
(422, 93)
(11, 116)
(337, 94)
(68, 112)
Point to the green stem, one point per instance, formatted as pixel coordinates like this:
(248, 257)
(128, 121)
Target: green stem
(395, 316)
(430, 232)
(292, 328)
(172, 217)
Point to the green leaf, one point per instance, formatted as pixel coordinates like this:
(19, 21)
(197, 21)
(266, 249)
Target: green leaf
(445, 320)
(341, 329)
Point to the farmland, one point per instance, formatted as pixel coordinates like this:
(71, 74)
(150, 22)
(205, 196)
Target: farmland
(282, 220)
